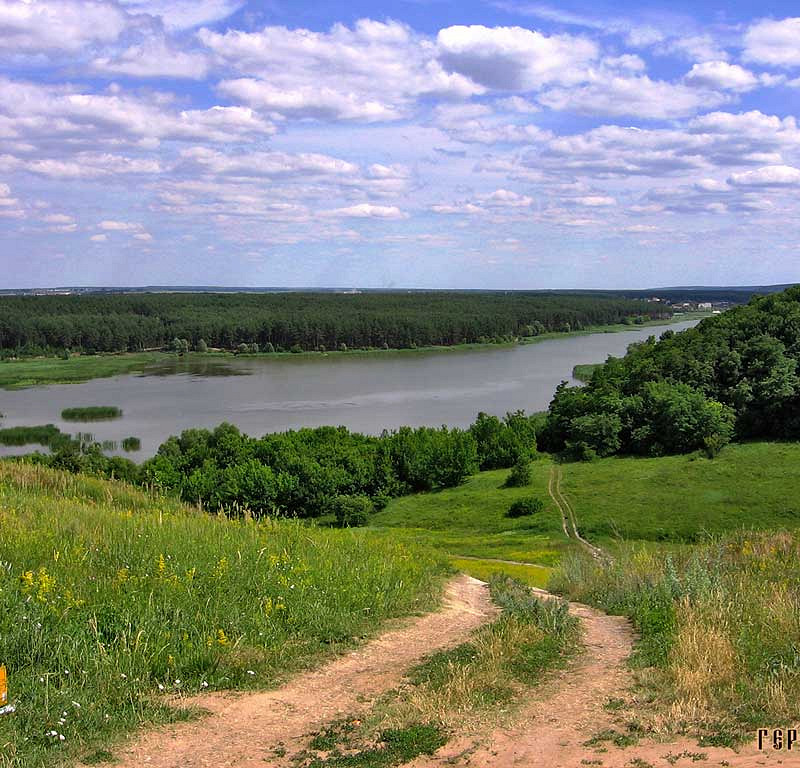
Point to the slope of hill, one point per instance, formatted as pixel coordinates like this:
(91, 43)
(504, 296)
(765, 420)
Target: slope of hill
(112, 600)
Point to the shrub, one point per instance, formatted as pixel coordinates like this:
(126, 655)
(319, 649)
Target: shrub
(524, 507)
(131, 444)
(351, 511)
(202, 347)
(520, 474)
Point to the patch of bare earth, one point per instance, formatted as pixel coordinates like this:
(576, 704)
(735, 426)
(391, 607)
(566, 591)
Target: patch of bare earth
(245, 730)
(568, 711)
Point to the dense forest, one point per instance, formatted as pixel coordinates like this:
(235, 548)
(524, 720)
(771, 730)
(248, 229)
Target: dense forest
(310, 472)
(91, 323)
(734, 376)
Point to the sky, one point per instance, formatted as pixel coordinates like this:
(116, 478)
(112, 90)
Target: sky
(509, 144)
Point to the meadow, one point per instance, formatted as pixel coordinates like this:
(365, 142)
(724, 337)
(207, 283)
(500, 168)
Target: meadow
(112, 601)
(718, 623)
(686, 498)
(469, 524)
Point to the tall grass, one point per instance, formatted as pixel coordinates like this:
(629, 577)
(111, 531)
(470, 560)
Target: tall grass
(92, 413)
(112, 600)
(719, 626)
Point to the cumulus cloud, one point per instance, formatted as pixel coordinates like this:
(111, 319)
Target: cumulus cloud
(776, 43)
(58, 26)
(154, 57)
(368, 211)
(721, 75)
(642, 97)
(514, 58)
(180, 15)
(768, 176)
(373, 71)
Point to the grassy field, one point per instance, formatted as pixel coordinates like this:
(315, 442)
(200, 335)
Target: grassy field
(112, 600)
(469, 522)
(718, 623)
(685, 498)
(19, 374)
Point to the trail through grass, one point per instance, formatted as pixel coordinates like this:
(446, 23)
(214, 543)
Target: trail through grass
(111, 600)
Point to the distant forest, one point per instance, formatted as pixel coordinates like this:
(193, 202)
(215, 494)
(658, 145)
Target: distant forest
(31, 325)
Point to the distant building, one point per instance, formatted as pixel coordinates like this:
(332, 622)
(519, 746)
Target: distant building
(704, 305)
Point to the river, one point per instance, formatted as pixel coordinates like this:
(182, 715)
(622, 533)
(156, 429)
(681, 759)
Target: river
(366, 394)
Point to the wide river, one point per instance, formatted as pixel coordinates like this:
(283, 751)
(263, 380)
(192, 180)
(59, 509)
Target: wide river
(366, 394)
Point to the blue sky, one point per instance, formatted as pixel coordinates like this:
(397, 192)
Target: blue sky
(404, 143)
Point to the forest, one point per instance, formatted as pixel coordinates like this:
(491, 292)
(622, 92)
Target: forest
(732, 377)
(92, 323)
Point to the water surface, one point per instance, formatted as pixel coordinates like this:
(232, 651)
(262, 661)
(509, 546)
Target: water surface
(366, 394)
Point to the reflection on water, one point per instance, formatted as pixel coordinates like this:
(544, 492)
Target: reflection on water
(204, 367)
(365, 393)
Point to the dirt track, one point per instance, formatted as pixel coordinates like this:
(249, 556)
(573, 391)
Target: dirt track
(244, 730)
(550, 732)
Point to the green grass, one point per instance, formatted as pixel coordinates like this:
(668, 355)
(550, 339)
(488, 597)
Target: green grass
(19, 374)
(685, 498)
(485, 570)
(92, 413)
(470, 520)
(111, 600)
(40, 435)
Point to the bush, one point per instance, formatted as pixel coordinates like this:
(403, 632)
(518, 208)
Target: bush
(202, 347)
(520, 475)
(525, 507)
(351, 511)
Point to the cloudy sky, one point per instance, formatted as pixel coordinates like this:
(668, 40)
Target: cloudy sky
(394, 143)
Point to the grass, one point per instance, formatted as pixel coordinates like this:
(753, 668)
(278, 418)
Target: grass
(455, 689)
(470, 520)
(113, 600)
(92, 413)
(719, 626)
(686, 498)
(19, 374)
(40, 435)
(131, 444)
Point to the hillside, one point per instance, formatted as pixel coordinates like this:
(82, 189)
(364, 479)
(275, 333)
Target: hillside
(111, 601)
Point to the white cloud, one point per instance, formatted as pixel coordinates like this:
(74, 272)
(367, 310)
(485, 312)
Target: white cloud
(118, 226)
(513, 58)
(98, 238)
(185, 14)
(611, 94)
(776, 43)
(56, 26)
(368, 211)
(374, 71)
(154, 57)
(768, 176)
(595, 201)
(721, 75)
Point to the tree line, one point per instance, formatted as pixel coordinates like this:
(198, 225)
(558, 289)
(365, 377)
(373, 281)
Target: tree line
(733, 376)
(110, 322)
(311, 472)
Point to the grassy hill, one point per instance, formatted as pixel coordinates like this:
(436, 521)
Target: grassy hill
(469, 522)
(111, 600)
(684, 498)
